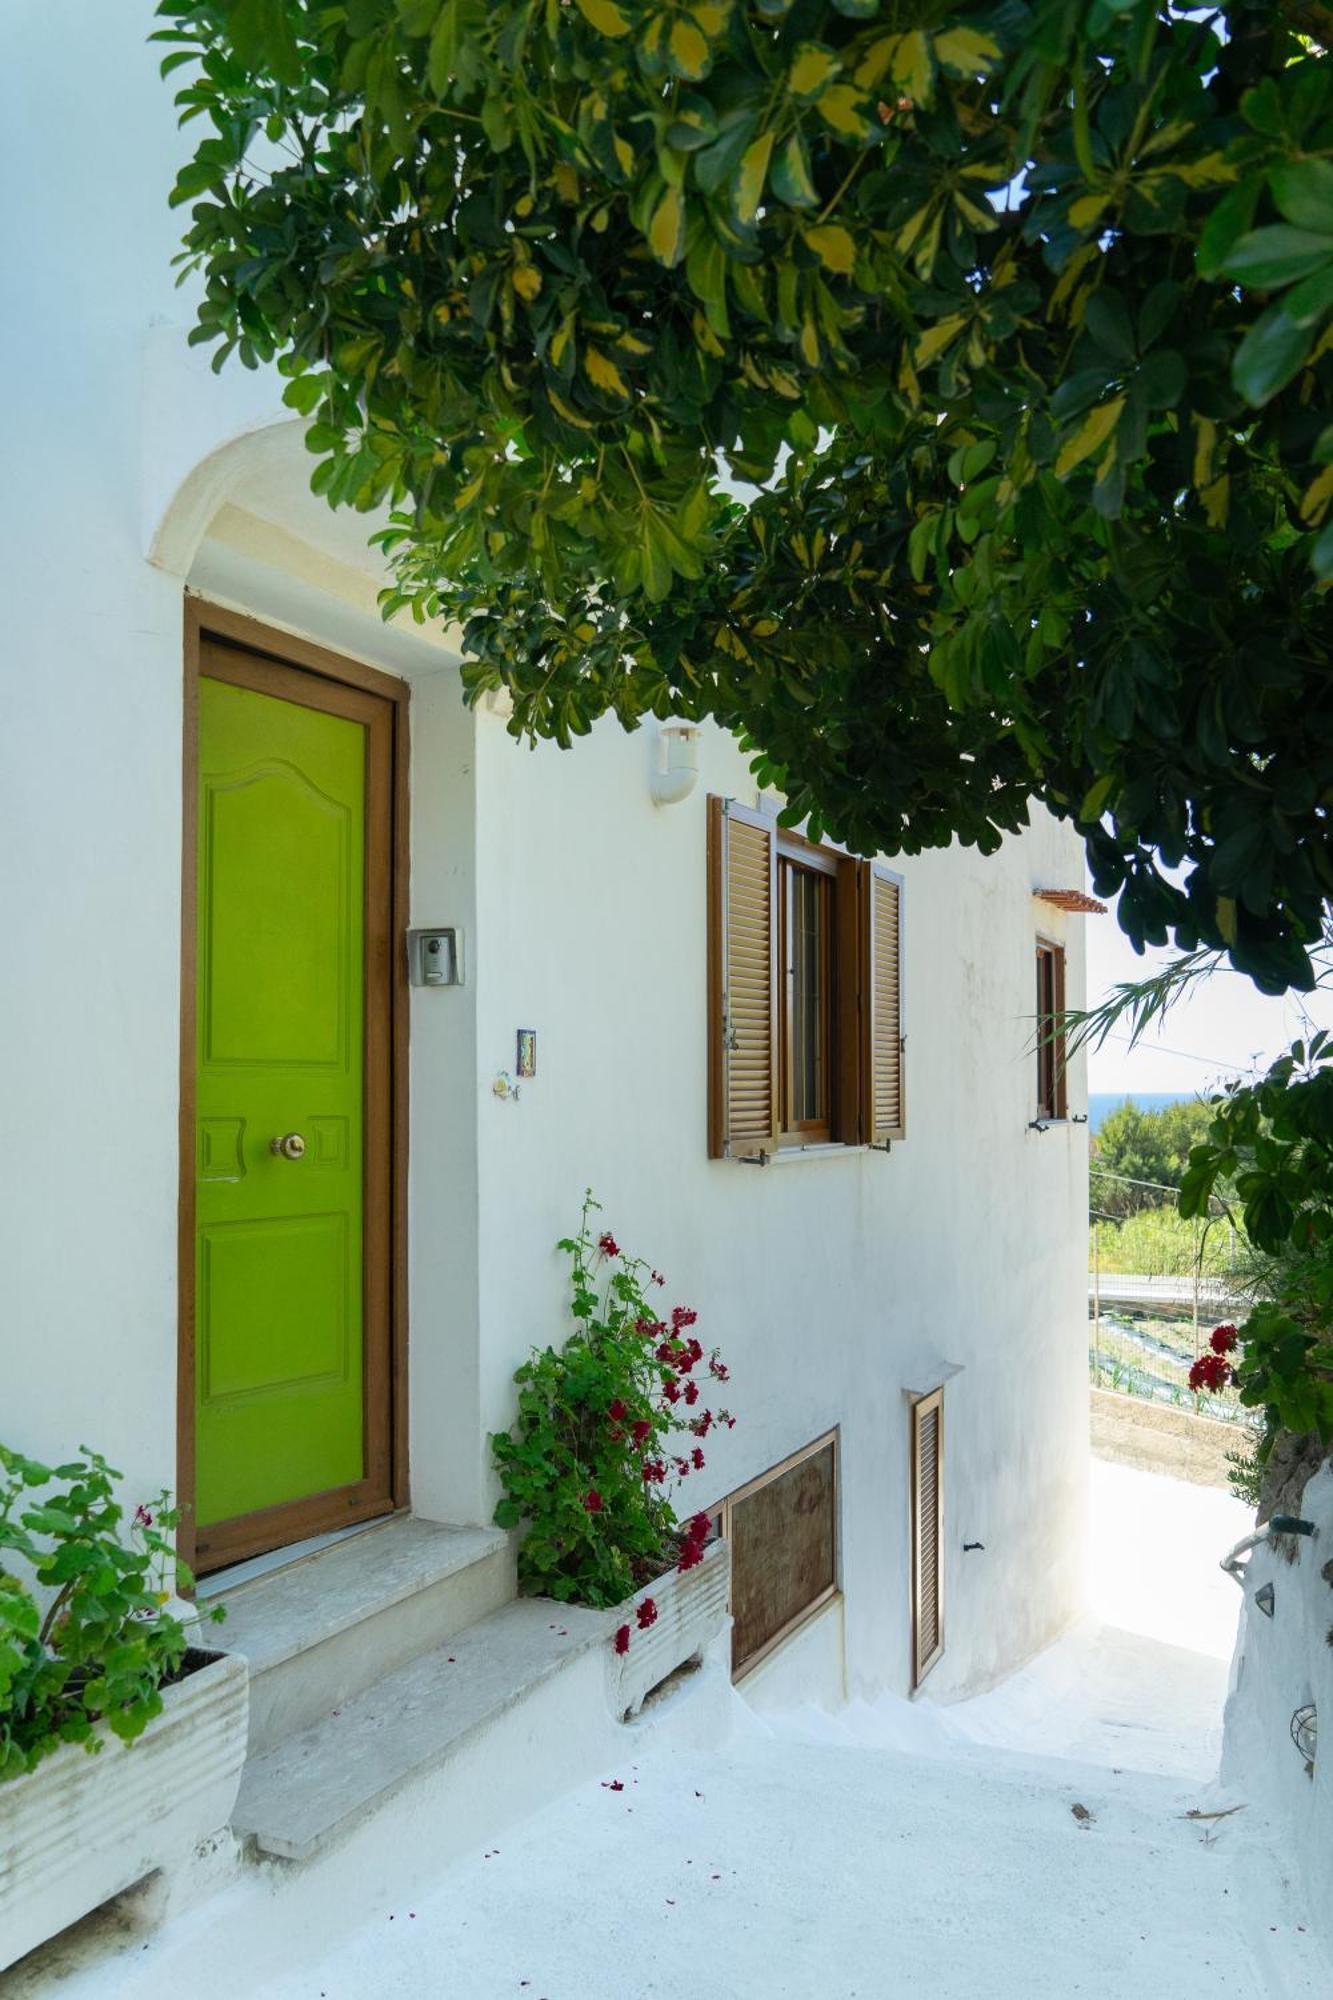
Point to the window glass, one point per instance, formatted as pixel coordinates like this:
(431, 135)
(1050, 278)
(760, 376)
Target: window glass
(805, 1029)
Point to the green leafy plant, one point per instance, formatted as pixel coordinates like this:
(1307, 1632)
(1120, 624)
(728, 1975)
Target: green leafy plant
(86, 1638)
(935, 394)
(607, 1424)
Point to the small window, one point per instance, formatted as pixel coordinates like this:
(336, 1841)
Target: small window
(806, 900)
(783, 1530)
(805, 986)
(1051, 1100)
(927, 1457)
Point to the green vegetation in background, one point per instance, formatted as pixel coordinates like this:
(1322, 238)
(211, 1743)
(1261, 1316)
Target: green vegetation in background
(1159, 1242)
(1149, 1146)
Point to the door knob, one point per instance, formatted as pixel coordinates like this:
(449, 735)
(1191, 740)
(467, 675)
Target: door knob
(290, 1147)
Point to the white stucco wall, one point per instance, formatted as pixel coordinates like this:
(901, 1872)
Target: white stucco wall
(834, 1284)
(1281, 1664)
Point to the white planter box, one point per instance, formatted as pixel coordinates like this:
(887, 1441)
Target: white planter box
(81, 1828)
(691, 1612)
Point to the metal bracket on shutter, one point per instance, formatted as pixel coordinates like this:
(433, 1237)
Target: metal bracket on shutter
(752, 1159)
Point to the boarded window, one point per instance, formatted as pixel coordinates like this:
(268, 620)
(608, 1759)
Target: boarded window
(1051, 1051)
(805, 991)
(927, 1461)
(783, 1530)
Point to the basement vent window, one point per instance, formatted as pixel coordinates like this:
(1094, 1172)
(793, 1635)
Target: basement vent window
(783, 1531)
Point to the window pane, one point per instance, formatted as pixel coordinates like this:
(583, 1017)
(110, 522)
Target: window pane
(783, 1552)
(807, 948)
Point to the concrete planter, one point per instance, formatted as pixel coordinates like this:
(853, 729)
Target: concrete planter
(691, 1613)
(81, 1828)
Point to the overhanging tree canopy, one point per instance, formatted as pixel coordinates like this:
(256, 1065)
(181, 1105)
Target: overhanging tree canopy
(1020, 315)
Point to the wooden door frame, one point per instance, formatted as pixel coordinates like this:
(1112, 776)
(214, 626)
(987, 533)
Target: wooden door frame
(286, 654)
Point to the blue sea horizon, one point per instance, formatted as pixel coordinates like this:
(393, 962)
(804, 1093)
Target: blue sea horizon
(1101, 1103)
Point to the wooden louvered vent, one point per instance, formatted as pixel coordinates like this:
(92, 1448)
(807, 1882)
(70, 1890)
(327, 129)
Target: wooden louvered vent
(884, 1113)
(927, 1533)
(743, 1001)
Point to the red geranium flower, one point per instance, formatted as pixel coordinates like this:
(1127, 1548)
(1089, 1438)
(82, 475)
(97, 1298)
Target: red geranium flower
(607, 1244)
(640, 1430)
(718, 1370)
(617, 1412)
(658, 1279)
(690, 1556)
(592, 1500)
(701, 1527)
(683, 1316)
(1224, 1339)
(647, 1614)
(682, 1466)
(142, 1517)
(1210, 1371)
(697, 1459)
(691, 1392)
(622, 1639)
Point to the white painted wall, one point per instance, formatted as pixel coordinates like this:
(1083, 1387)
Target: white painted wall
(834, 1284)
(1282, 1663)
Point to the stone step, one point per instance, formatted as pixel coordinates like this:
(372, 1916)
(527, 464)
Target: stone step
(439, 1710)
(329, 1625)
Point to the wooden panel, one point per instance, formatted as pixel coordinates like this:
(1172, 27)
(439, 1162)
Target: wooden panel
(1052, 1054)
(784, 1551)
(743, 1060)
(884, 1109)
(927, 1456)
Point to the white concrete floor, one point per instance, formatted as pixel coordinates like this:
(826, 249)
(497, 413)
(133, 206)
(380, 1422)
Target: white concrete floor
(897, 1849)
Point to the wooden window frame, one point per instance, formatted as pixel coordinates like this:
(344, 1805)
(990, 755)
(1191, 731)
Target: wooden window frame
(723, 1517)
(1052, 1052)
(921, 1407)
(803, 854)
(848, 1028)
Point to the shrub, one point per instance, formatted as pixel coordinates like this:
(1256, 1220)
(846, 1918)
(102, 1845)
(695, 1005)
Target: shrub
(105, 1643)
(607, 1425)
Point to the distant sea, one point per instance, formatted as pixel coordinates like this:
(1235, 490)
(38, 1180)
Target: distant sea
(1102, 1102)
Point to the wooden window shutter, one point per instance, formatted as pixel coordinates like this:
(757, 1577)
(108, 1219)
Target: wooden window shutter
(927, 1451)
(883, 1095)
(742, 982)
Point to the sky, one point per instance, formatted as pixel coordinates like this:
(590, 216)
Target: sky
(1221, 1028)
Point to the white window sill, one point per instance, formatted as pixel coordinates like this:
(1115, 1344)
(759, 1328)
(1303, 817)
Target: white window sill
(827, 1150)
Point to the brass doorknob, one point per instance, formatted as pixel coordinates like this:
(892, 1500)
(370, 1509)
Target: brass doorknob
(291, 1146)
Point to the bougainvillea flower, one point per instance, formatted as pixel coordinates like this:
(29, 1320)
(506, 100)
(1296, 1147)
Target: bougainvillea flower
(647, 1614)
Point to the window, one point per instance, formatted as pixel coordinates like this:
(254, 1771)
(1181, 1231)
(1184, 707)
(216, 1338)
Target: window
(806, 904)
(1051, 1096)
(927, 1505)
(783, 1530)
(805, 992)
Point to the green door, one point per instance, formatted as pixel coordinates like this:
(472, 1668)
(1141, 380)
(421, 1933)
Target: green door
(280, 1326)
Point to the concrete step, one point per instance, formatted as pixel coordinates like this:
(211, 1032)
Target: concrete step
(329, 1625)
(438, 1710)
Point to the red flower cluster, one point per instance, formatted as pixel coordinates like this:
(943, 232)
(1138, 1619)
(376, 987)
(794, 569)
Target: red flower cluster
(640, 1430)
(654, 1471)
(647, 1614)
(1210, 1371)
(697, 1459)
(1223, 1339)
(622, 1639)
(718, 1369)
(683, 1316)
(617, 1412)
(696, 1534)
(607, 1244)
(592, 1500)
(142, 1517)
(658, 1279)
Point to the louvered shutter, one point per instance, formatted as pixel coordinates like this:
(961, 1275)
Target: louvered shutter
(743, 982)
(927, 1435)
(883, 1096)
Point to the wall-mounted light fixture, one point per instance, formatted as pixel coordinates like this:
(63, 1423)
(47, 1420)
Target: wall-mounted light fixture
(677, 771)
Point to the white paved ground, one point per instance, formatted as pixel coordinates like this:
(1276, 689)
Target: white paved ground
(893, 1850)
